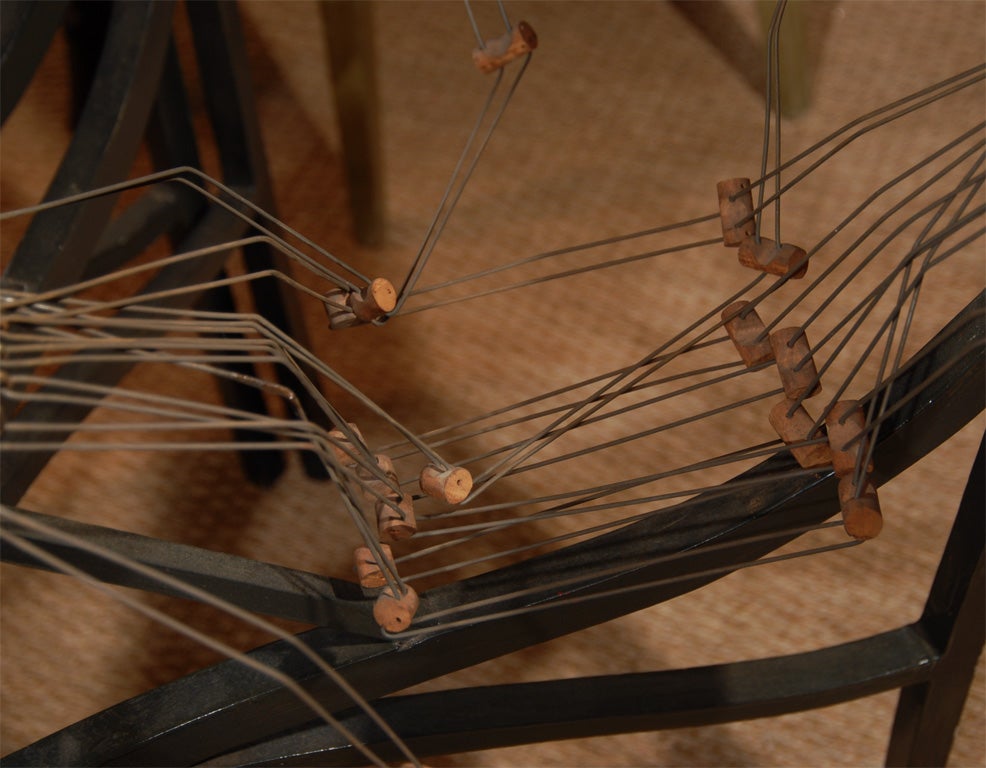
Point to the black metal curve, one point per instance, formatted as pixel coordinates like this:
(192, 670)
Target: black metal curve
(218, 710)
(26, 29)
(138, 70)
(263, 588)
(507, 715)
(58, 242)
(55, 248)
(933, 660)
(954, 622)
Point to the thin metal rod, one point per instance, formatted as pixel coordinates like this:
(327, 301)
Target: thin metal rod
(208, 598)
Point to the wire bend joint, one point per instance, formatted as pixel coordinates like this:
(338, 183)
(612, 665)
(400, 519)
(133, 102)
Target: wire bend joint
(348, 308)
(500, 51)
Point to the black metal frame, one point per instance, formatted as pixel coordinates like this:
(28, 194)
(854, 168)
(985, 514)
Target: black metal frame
(221, 712)
(137, 93)
(226, 708)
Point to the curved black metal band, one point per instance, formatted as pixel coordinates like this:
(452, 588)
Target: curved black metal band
(933, 660)
(507, 715)
(224, 708)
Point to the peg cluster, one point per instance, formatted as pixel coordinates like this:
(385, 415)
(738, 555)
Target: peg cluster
(378, 486)
(845, 442)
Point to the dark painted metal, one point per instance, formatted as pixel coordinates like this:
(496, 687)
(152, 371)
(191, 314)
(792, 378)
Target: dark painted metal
(220, 709)
(58, 242)
(933, 661)
(954, 621)
(163, 209)
(26, 30)
(139, 62)
(224, 67)
(262, 467)
(350, 40)
(255, 586)
(86, 25)
(19, 469)
(171, 137)
(507, 715)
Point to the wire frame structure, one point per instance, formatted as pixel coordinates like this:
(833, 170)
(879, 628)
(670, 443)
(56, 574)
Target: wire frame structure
(169, 312)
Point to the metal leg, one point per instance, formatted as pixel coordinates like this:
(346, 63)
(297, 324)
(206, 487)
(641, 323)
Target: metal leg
(348, 27)
(26, 30)
(954, 620)
(221, 51)
(58, 243)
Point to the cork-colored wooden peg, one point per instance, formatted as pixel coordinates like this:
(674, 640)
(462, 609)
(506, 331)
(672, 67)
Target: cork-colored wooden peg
(372, 482)
(395, 510)
(384, 465)
(348, 308)
(394, 614)
(374, 301)
(795, 363)
(342, 448)
(747, 332)
(500, 51)
(846, 424)
(450, 485)
(735, 211)
(861, 515)
(368, 570)
(795, 429)
(767, 256)
(396, 524)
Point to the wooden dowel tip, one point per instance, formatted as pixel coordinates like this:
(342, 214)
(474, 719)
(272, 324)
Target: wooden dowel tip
(767, 256)
(368, 570)
(795, 363)
(846, 423)
(348, 308)
(735, 211)
(394, 614)
(861, 514)
(450, 485)
(500, 51)
(795, 429)
(396, 524)
(748, 333)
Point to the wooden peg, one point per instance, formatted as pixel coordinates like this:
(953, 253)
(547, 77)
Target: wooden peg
(450, 485)
(396, 524)
(384, 464)
(845, 423)
(372, 481)
(795, 363)
(735, 211)
(375, 301)
(794, 429)
(394, 614)
(861, 515)
(498, 52)
(384, 495)
(348, 308)
(768, 256)
(343, 450)
(747, 333)
(368, 570)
